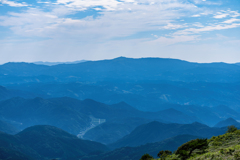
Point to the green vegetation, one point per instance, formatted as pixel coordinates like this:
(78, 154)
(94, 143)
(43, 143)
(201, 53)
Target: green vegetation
(163, 154)
(231, 129)
(186, 150)
(146, 157)
(226, 146)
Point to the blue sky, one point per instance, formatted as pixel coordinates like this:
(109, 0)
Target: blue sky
(70, 30)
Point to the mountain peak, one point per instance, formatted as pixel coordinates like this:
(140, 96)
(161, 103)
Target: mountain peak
(227, 122)
(46, 130)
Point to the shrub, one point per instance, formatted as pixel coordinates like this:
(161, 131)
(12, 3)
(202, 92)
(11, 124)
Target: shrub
(237, 155)
(146, 157)
(163, 154)
(231, 129)
(185, 150)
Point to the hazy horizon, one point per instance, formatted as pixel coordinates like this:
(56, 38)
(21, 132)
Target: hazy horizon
(70, 30)
(84, 60)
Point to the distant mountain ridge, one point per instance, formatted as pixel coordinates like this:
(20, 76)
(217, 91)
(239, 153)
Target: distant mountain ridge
(126, 69)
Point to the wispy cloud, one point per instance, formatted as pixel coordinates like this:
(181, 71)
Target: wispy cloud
(206, 2)
(212, 27)
(106, 26)
(223, 14)
(85, 4)
(128, 18)
(13, 3)
(232, 20)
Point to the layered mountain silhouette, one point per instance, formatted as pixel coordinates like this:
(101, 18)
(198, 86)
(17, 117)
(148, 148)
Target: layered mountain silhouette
(146, 83)
(11, 147)
(35, 111)
(148, 95)
(156, 131)
(140, 101)
(8, 127)
(228, 122)
(112, 131)
(133, 153)
(6, 93)
(129, 69)
(46, 142)
(74, 115)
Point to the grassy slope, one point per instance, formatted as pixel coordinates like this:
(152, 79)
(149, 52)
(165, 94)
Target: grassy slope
(222, 147)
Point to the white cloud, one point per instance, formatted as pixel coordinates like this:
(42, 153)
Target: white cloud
(85, 4)
(109, 24)
(206, 2)
(196, 15)
(232, 20)
(223, 14)
(198, 24)
(164, 41)
(104, 35)
(173, 26)
(212, 27)
(13, 4)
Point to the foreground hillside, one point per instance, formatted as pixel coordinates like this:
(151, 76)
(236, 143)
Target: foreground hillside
(226, 146)
(222, 147)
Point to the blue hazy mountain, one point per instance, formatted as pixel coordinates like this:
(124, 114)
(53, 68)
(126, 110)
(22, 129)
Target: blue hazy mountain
(52, 142)
(125, 69)
(6, 93)
(148, 96)
(44, 142)
(228, 122)
(12, 148)
(156, 132)
(29, 112)
(74, 115)
(115, 129)
(134, 153)
(140, 100)
(8, 127)
(145, 83)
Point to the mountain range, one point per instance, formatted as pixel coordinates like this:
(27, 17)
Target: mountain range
(149, 84)
(128, 69)
(120, 108)
(134, 153)
(44, 142)
(157, 131)
(56, 112)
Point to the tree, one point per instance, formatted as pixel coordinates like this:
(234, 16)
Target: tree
(146, 157)
(185, 150)
(231, 129)
(163, 154)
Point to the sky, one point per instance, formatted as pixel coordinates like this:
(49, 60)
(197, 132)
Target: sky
(201, 31)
